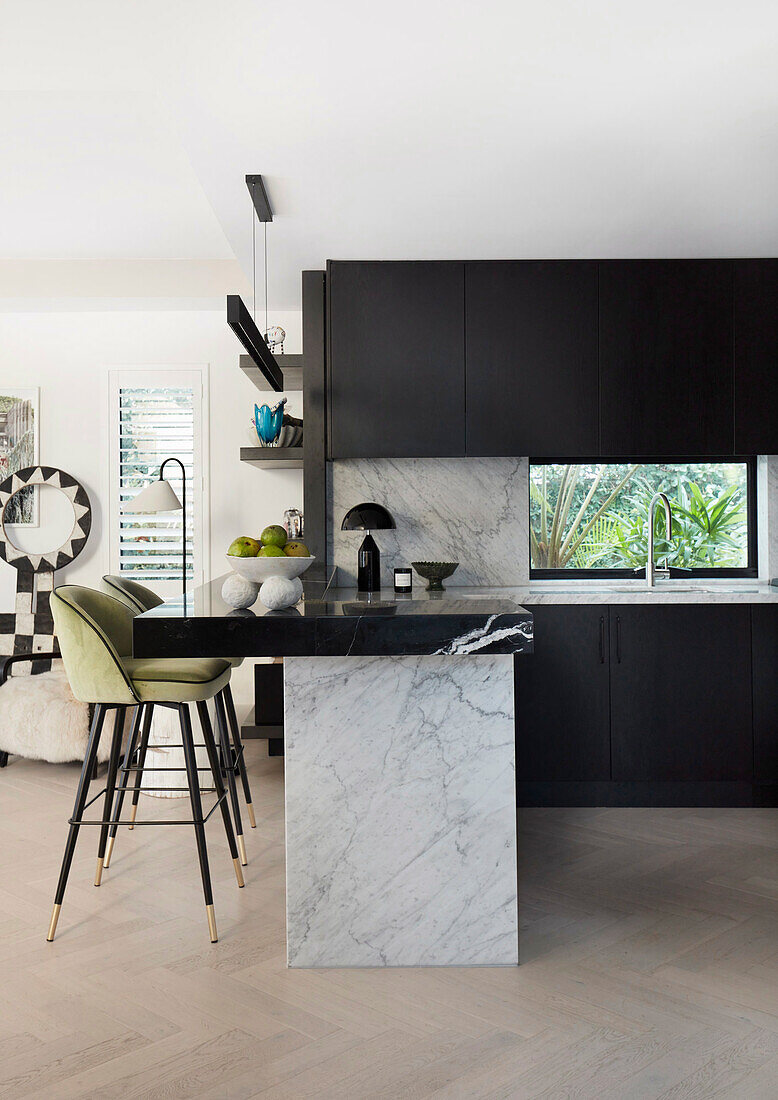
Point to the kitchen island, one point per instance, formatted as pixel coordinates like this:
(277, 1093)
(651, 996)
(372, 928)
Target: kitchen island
(400, 766)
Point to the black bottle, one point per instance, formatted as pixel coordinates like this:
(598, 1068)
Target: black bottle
(369, 566)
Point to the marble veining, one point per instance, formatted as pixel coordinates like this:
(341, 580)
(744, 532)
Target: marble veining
(471, 510)
(491, 633)
(400, 811)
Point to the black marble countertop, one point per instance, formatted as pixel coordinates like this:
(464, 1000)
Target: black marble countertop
(336, 622)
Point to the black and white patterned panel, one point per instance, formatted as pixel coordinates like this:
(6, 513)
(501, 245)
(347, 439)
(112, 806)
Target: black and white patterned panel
(31, 628)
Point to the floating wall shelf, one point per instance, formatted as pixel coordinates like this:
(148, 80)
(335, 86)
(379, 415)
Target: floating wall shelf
(273, 458)
(291, 368)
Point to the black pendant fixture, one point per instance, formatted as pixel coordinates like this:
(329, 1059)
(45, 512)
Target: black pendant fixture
(242, 324)
(238, 316)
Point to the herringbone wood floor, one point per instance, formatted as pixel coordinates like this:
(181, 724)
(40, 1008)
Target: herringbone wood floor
(649, 948)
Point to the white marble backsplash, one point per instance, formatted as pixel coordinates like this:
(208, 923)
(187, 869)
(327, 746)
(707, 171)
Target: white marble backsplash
(474, 511)
(767, 496)
(400, 811)
(471, 510)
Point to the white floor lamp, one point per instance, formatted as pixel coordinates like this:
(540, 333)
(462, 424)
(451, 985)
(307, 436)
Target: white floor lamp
(159, 496)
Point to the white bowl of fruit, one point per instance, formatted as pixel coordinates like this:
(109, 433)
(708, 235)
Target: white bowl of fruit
(270, 558)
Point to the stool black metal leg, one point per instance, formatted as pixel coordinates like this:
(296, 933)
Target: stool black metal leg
(129, 753)
(213, 757)
(148, 711)
(197, 814)
(78, 810)
(110, 788)
(229, 769)
(235, 731)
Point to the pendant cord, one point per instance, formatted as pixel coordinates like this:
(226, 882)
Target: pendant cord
(254, 260)
(265, 225)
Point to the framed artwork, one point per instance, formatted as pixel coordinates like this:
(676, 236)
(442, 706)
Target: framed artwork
(19, 448)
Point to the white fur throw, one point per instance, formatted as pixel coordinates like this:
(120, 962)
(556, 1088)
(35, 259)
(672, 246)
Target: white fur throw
(41, 720)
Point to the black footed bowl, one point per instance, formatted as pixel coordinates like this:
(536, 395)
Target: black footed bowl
(435, 572)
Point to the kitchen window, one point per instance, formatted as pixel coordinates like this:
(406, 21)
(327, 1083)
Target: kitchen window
(589, 519)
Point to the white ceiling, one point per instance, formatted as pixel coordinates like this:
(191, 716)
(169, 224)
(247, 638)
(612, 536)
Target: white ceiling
(416, 130)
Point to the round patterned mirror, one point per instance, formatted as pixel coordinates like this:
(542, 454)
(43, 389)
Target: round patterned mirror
(47, 560)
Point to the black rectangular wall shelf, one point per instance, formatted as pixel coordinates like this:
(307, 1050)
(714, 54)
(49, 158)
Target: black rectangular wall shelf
(273, 458)
(291, 368)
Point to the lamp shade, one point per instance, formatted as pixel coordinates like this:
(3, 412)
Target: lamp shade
(367, 517)
(156, 497)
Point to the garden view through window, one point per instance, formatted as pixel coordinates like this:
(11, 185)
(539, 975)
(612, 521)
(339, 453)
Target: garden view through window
(592, 517)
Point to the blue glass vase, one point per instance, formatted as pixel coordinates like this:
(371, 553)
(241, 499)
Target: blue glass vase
(269, 422)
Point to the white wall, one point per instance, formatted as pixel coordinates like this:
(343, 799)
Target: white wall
(68, 356)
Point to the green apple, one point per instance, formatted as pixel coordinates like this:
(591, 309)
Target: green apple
(244, 547)
(297, 550)
(271, 552)
(274, 535)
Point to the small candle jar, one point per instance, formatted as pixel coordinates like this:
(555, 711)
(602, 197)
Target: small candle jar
(403, 580)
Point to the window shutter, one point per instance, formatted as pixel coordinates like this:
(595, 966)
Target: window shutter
(155, 423)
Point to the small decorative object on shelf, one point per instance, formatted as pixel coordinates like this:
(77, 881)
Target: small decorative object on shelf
(269, 422)
(403, 579)
(293, 522)
(239, 592)
(435, 572)
(274, 338)
(289, 436)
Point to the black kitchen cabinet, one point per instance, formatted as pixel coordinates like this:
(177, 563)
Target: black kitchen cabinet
(764, 628)
(531, 358)
(396, 359)
(666, 357)
(562, 697)
(756, 356)
(681, 692)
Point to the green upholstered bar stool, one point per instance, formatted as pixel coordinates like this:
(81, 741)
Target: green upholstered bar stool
(95, 638)
(139, 599)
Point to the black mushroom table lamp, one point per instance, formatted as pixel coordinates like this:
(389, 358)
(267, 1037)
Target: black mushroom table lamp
(368, 517)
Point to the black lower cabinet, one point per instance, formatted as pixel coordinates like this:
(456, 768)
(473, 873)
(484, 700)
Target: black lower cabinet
(562, 697)
(764, 627)
(266, 720)
(658, 714)
(681, 693)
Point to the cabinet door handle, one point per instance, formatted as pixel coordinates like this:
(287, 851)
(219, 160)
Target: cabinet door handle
(618, 639)
(602, 639)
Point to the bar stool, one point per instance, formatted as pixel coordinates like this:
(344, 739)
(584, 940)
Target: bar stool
(139, 599)
(95, 638)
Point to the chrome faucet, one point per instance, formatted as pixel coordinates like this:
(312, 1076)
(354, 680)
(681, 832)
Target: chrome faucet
(652, 572)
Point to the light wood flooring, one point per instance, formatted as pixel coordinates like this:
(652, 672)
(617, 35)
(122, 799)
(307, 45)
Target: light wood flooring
(649, 967)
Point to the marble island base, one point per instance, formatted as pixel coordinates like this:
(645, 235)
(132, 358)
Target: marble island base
(400, 811)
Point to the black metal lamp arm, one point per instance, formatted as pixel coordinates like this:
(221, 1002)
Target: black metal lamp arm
(183, 509)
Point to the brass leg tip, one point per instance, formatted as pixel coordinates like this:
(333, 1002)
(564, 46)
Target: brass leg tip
(133, 812)
(108, 852)
(242, 849)
(99, 871)
(252, 819)
(53, 924)
(238, 872)
(212, 924)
